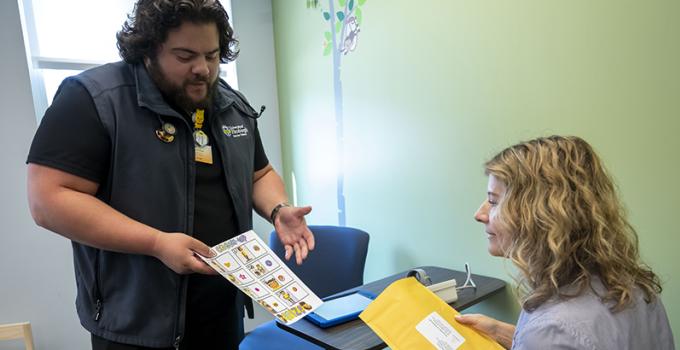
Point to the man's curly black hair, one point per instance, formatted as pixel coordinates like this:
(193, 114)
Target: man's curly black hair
(147, 28)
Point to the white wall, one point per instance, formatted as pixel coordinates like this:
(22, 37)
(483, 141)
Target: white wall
(36, 273)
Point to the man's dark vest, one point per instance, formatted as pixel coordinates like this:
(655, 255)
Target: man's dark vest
(136, 299)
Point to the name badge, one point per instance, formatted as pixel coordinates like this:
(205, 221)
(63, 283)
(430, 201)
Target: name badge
(204, 154)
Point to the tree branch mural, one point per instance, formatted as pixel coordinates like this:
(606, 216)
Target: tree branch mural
(339, 40)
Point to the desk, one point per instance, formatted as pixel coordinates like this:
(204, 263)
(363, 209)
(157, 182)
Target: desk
(356, 335)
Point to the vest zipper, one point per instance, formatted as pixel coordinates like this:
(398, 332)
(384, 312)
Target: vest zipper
(98, 310)
(183, 279)
(95, 290)
(177, 341)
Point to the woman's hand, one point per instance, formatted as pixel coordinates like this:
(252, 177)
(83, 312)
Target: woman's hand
(499, 331)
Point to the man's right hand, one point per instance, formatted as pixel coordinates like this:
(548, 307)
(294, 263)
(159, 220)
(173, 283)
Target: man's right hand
(179, 252)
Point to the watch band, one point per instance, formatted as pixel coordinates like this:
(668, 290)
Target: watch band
(275, 211)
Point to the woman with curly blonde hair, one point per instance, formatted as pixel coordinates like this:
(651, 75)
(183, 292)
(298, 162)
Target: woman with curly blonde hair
(553, 210)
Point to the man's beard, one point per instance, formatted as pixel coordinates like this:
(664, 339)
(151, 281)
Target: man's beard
(177, 94)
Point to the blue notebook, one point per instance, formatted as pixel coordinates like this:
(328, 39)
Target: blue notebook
(340, 309)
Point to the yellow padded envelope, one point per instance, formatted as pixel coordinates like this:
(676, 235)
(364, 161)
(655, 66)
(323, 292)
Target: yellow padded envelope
(408, 316)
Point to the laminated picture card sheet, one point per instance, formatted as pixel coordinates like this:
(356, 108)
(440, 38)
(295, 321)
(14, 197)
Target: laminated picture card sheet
(407, 315)
(249, 264)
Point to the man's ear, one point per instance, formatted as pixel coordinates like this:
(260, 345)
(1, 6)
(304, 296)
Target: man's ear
(147, 61)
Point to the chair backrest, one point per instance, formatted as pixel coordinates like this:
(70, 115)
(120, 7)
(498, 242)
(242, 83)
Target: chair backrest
(336, 263)
(18, 331)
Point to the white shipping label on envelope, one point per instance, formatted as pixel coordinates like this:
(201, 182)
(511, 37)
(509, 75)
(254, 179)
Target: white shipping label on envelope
(439, 332)
(253, 267)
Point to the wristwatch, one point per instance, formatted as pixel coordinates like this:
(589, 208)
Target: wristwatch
(275, 211)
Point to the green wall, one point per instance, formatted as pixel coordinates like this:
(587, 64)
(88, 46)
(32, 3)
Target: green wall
(435, 88)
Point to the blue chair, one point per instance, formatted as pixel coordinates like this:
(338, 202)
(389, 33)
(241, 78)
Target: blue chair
(336, 264)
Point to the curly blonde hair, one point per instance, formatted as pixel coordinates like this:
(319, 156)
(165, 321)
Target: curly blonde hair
(567, 223)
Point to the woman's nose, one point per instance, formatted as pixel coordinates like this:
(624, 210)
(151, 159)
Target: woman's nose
(482, 214)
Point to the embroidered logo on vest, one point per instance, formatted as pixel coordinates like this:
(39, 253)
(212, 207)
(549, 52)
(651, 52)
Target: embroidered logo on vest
(234, 130)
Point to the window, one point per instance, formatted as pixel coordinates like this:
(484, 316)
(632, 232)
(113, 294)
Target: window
(66, 37)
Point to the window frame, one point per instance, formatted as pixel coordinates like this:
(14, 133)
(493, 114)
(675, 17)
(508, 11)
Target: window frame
(37, 63)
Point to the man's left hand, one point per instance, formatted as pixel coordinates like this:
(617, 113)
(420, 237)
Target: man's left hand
(293, 232)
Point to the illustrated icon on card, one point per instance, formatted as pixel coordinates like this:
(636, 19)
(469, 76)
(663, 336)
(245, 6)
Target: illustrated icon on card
(273, 284)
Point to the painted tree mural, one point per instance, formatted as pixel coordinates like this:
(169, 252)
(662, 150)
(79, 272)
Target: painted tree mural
(344, 23)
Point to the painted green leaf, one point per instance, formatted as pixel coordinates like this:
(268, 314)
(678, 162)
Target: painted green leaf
(362, 2)
(341, 3)
(338, 25)
(351, 5)
(326, 15)
(359, 15)
(327, 50)
(327, 35)
(341, 15)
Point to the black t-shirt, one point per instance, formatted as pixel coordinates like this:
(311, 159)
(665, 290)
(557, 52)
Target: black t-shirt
(71, 138)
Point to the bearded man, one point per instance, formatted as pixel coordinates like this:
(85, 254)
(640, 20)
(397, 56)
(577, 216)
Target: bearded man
(144, 164)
